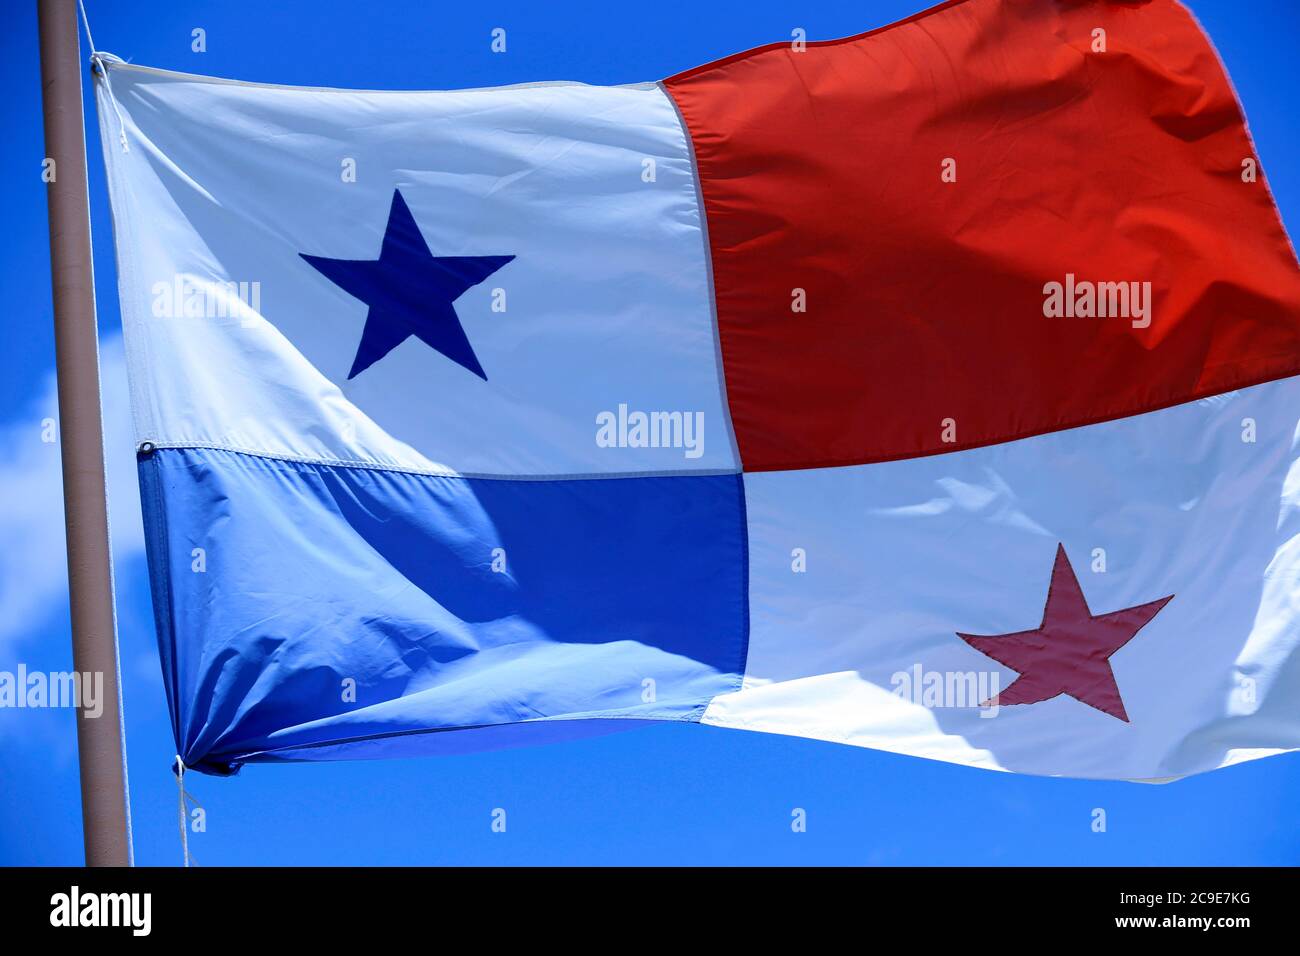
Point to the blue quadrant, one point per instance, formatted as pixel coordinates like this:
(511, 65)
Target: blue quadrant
(304, 605)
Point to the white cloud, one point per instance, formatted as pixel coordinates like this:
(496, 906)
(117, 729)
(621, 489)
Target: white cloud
(33, 560)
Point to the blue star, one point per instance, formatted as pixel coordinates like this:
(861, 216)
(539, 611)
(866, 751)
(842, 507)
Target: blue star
(410, 291)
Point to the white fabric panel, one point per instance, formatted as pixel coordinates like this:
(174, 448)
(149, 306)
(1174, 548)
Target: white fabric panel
(590, 188)
(902, 556)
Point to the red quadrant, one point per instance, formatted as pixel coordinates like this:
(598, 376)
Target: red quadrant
(822, 170)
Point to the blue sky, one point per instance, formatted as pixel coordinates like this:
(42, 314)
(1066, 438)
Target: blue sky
(670, 794)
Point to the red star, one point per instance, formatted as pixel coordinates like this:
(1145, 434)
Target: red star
(1070, 651)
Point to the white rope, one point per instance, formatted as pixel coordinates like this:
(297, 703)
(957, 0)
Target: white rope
(180, 808)
(86, 23)
(182, 814)
(99, 68)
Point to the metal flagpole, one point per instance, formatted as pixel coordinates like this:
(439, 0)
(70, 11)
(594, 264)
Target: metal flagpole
(104, 808)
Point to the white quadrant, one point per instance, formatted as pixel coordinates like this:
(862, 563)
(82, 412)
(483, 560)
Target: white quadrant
(1198, 501)
(603, 315)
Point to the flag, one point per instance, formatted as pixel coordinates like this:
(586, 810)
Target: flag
(932, 390)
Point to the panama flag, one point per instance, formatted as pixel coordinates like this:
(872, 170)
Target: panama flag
(933, 390)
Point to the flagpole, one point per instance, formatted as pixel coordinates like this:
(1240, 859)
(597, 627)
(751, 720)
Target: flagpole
(104, 808)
